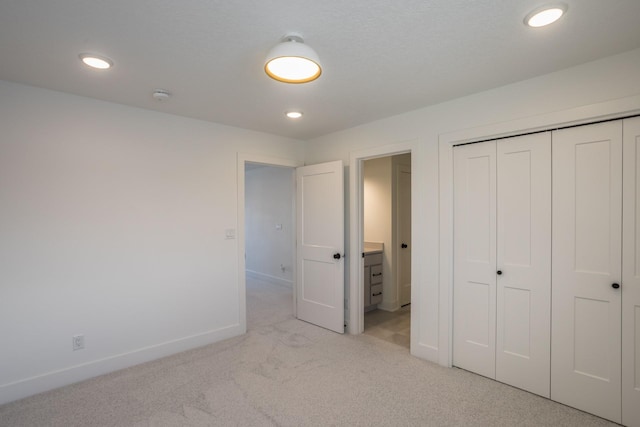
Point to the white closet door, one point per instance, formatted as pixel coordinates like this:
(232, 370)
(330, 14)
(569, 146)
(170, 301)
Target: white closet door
(523, 338)
(631, 275)
(586, 244)
(474, 281)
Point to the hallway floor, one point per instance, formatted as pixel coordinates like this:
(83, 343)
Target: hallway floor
(394, 327)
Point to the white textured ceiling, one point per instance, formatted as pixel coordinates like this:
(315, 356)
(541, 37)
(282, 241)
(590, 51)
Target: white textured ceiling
(380, 57)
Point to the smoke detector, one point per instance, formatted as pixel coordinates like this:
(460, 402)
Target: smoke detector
(161, 95)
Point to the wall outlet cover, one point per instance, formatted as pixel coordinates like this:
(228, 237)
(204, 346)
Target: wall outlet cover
(77, 342)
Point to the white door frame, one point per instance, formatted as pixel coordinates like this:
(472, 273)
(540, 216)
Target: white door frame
(607, 110)
(243, 158)
(355, 323)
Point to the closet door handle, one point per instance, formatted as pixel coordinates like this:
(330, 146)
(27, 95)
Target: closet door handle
(499, 272)
(615, 286)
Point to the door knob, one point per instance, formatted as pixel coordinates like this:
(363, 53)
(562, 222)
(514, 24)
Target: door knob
(338, 256)
(499, 272)
(404, 246)
(615, 286)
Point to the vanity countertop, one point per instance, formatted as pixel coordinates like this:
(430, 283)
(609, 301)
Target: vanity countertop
(373, 248)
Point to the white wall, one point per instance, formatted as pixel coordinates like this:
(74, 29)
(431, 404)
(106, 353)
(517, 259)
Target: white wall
(542, 99)
(112, 225)
(269, 201)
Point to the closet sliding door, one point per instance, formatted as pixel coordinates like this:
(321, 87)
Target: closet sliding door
(586, 273)
(631, 274)
(523, 338)
(502, 242)
(474, 276)
(577, 341)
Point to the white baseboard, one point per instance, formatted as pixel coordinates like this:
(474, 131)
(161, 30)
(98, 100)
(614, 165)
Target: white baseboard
(427, 352)
(270, 279)
(50, 380)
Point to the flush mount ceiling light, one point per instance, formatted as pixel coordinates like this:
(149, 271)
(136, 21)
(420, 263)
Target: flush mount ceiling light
(545, 15)
(292, 61)
(294, 114)
(96, 61)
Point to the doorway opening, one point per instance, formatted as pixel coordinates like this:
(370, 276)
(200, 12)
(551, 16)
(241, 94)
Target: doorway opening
(269, 243)
(248, 163)
(317, 254)
(386, 231)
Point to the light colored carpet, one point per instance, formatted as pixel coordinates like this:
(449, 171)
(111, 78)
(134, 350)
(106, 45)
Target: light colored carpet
(290, 373)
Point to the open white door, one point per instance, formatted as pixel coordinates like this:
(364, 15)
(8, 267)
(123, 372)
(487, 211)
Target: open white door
(403, 188)
(320, 245)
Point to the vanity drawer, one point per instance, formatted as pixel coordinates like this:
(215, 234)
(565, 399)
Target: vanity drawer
(376, 294)
(372, 259)
(376, 274)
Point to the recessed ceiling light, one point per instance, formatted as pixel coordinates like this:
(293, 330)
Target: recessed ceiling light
(545, 15)
(294, 114)
(95, 61)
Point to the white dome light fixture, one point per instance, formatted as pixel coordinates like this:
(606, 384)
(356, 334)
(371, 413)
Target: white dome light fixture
(96, 61)
(292, 61)
(545, 15)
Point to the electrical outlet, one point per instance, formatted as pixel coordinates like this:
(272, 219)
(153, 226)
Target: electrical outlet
(77, 342)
